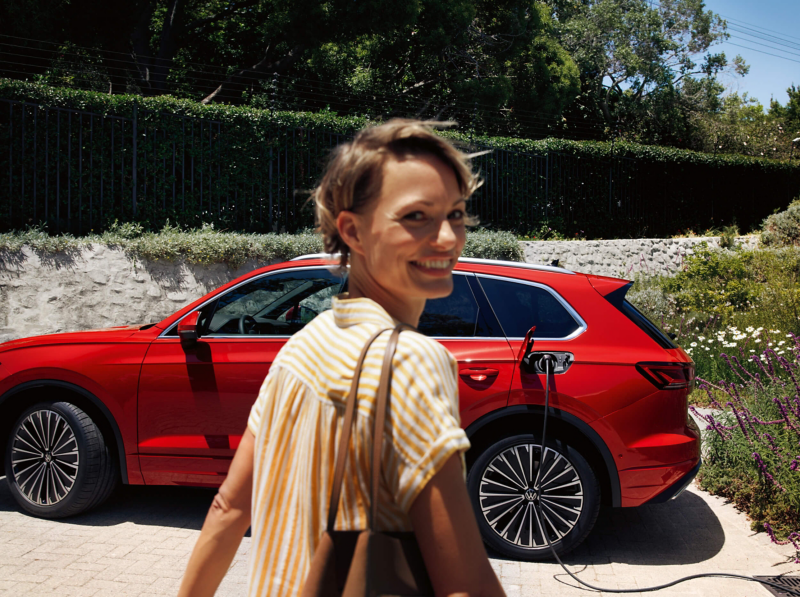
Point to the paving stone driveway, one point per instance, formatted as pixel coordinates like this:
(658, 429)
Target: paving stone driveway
(138, 543)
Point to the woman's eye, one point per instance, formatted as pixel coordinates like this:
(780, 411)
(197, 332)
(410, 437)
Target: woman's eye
(456, 215)
(415, 216)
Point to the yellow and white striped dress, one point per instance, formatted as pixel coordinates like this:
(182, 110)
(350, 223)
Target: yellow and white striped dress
(297, 419)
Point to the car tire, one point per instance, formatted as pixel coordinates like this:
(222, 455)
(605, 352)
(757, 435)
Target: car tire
(502, 486)
(57, 461)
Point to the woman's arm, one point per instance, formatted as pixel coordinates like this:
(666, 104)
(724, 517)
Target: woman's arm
(226, 523)
(448, 536)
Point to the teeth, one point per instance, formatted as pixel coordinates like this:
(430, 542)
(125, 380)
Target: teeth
(438, 264)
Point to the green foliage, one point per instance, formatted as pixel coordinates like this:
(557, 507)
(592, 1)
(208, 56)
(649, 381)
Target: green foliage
(790, 113)
(459, 59)
(206, 245)
(578, 188)
(738, 302)
(783, 229)
(488, 244)
(740, 126)
(645, 68)
(727, 239)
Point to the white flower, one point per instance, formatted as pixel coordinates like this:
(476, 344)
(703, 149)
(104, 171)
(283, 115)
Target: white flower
(779, 352)
(752, 351)
(749, 328)
(707, 348)
(693, 344)
(758, 340)
(701, 338)
(788, 335)
(759, 329)
(781, 342)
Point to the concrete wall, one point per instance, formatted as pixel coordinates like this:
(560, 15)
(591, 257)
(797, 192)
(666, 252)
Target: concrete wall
(622, 258)
(101, 286)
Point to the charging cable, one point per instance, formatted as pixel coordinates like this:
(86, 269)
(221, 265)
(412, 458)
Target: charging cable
(547, 360)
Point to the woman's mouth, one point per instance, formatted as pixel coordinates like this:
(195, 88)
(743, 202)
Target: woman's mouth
(434, 266)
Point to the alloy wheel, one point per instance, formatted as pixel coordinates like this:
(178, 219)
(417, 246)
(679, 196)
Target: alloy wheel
(44, 458)
(508, 495)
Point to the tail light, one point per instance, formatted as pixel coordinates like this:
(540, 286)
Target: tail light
(668, 376)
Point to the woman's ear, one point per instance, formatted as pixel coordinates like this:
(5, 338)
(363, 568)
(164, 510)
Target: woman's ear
(348, 224)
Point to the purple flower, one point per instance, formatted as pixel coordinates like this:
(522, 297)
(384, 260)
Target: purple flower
(739, 419)
(784, 413)
(764, 470)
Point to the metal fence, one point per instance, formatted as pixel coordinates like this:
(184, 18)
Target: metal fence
(78, 171)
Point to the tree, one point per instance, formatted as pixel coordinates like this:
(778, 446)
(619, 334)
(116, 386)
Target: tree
(790, 113)
(644, 67)
(741, 126)
(492, 64)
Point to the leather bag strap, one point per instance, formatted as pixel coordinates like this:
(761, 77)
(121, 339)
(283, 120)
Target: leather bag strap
(379, 421)
(344, 439)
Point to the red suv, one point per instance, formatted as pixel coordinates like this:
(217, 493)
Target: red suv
(166, 403)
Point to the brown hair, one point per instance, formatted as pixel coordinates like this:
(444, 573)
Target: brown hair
(354, 173)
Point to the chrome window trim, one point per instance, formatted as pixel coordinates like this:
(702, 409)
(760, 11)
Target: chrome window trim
(473, 260)
(518, 264)
(572, 312)
(231, 289)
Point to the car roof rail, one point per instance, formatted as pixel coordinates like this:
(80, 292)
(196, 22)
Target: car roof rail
(475, 260)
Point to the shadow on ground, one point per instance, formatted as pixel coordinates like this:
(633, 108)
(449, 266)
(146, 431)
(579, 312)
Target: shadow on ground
(682, 531)
(176, 507)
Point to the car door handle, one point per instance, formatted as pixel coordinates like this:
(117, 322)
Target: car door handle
(479, 373)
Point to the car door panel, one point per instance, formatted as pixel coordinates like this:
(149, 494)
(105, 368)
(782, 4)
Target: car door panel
(194, 403)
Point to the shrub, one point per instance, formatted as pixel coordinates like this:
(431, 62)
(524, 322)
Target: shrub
(247, 169)
(208, 245)
(493, 245)
(735, 300)
(750, 441)
(783, 229)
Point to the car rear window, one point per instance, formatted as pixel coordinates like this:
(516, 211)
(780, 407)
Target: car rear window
(521, 306)
(647, 326)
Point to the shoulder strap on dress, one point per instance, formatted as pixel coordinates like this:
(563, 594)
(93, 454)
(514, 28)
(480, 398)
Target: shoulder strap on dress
(344, 439)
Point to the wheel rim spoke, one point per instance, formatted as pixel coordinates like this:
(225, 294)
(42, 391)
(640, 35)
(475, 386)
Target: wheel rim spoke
(45, 458)
(509, 502)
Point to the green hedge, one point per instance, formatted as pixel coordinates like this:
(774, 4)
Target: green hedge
(67, 159)
(207, 245)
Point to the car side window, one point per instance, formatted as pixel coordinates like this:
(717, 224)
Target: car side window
(519, 307)
(279, 304)
(451, 316)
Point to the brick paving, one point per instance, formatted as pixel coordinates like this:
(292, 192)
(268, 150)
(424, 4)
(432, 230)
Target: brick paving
(138, 544)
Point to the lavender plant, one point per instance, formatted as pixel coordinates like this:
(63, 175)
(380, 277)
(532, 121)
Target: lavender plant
(751, 441)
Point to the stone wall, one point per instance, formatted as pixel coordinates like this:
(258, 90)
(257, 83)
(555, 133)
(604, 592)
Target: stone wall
(622, 258)
(97, 287)
(101, 286)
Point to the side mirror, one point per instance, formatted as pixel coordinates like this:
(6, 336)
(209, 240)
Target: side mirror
(188, 330)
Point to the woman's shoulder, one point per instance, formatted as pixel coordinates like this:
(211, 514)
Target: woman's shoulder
(423, 354)
(316, 336)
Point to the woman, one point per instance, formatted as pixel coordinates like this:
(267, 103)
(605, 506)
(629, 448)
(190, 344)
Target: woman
(392, 203)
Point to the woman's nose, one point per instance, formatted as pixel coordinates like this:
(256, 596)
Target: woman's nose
(445, 236)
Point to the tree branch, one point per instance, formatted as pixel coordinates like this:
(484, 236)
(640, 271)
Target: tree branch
(279, 66)
(228, 12)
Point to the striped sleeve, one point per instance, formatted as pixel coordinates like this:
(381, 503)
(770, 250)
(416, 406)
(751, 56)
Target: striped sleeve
(265, 396)
(424, 423)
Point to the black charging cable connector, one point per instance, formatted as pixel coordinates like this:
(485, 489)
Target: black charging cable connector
(546, 363)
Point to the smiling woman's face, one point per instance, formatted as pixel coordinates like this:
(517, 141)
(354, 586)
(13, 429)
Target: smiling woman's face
(410, 237)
